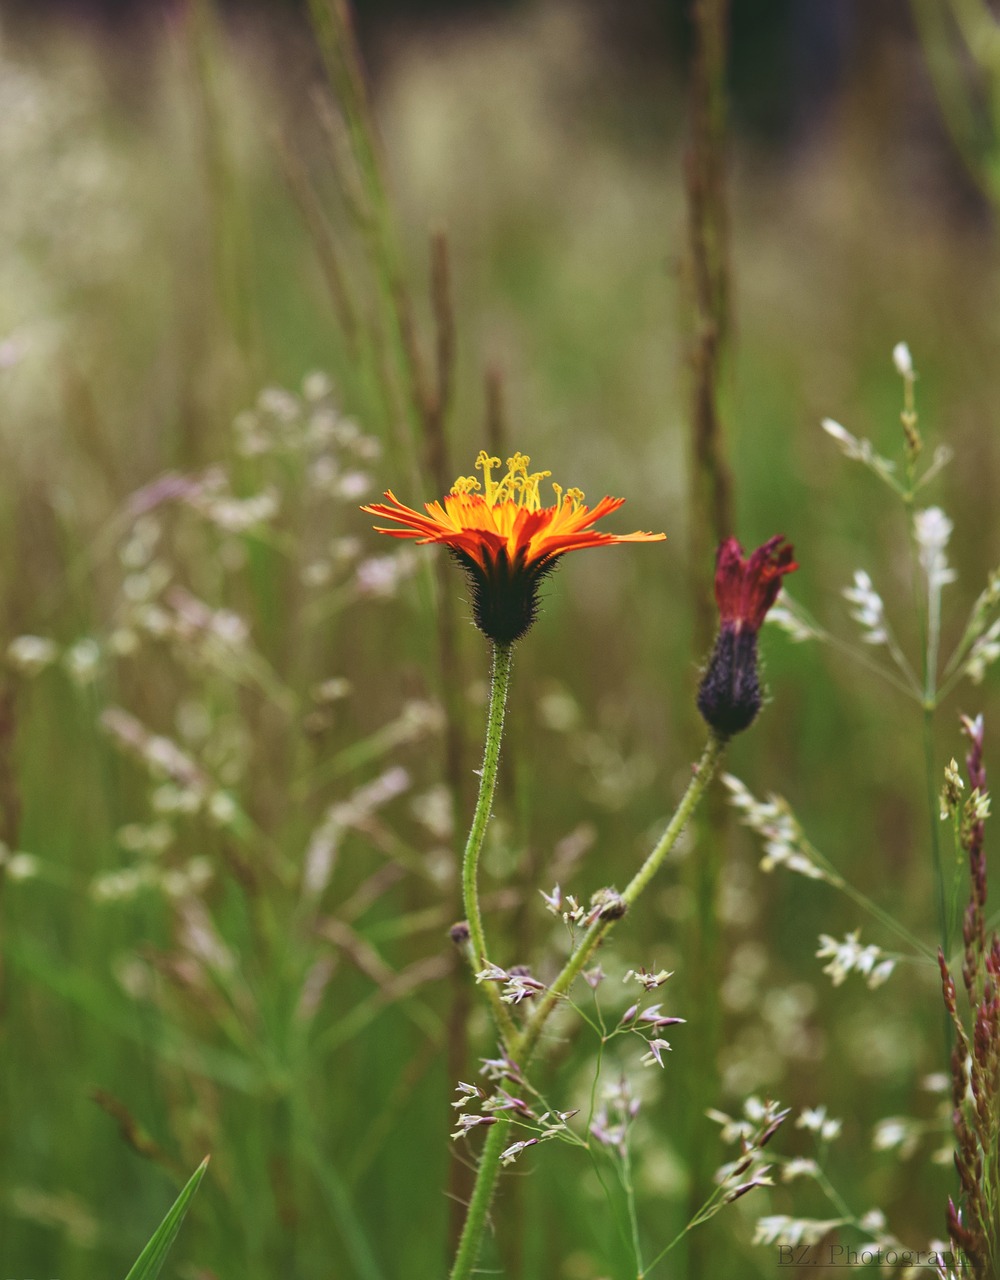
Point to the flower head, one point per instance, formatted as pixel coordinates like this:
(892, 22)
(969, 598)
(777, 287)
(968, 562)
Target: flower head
(745, 589)
(504, 538)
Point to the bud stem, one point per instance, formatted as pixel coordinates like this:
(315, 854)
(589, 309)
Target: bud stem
(702, 775)
(520, 1046)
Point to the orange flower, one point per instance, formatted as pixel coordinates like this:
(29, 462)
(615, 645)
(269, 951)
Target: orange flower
(504, 538)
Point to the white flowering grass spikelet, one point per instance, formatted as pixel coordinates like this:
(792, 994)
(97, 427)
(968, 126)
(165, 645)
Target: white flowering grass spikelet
(984, 652)
(849, 956)
(83, 661)
(897, 1133)
(799, 1167)
(849, 444)
(761, 1121)
(859, 450)
(31, 654)
(869, 609)
(902, 359)
(815, 1120)
(932, 531)
(775, 823)
(18, 865)
(788, 616)
(781, 1229)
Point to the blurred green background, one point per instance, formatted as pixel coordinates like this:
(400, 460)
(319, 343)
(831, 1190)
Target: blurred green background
(156, 276)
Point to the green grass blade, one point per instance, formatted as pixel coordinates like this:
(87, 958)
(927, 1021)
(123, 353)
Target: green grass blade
(151, 1259)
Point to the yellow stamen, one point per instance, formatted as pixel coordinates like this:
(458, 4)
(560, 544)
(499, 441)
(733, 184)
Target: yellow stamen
(519, 486)
(575, 497)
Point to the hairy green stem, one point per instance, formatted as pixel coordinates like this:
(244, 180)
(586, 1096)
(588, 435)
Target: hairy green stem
(521, 1046)
(499, 685)
(482, 1194)
(525, 1044)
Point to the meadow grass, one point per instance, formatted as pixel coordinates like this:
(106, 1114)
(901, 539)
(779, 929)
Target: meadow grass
(269, 977)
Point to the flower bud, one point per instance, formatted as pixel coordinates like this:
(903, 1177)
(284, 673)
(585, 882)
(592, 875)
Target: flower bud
(729, 697)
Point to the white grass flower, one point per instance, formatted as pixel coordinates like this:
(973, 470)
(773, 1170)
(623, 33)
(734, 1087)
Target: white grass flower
(977, 807)
(83, 661)
(732, 1130)
(873, 1221)
(897, 1133)
(984, 652)
(353, 485)
(168, 799)
(657, 1048)
(20, 865)
(788, 616)
(815, 1120)
(775, 823)
(869, 610)
(137, 551)
(932, 531)
(799, 1167)
(647, 980)
(183, 882)
(553, 900)
(518, 987)
(467, 1093)
(278, 403)
(781, 1229)
(118, 886)
(510, 1154)
(467, 1121)
(849, 956)
(902, 359)
(755, 1108)
(882, 972)
(152, 838)
(951, 792)
(237, 515)
(380, 576)
(859, 450)
(850, 445)
(317, 386)
(31, 654)
(222, 809)
(492, 973)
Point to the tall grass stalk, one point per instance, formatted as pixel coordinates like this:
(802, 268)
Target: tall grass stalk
(400, 372)
(710, 490)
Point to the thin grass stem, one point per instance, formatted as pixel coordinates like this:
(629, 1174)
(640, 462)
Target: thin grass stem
(933, 808)
(705, 770)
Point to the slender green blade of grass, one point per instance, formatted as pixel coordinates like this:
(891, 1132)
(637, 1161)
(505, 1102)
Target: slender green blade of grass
(352, 1231)
(151, 1259)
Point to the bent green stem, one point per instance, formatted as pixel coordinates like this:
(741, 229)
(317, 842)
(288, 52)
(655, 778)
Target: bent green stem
(525, 1044)
(499, 684)
(521, 1046)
